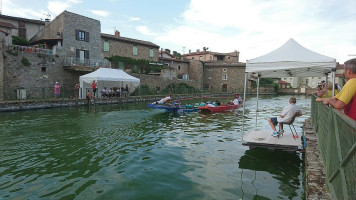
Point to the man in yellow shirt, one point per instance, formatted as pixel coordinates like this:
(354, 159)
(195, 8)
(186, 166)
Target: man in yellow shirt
(346, 98)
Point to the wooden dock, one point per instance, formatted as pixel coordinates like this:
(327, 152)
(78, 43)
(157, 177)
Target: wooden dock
(263, 139)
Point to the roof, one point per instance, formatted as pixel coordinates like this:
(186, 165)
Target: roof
(291, 60)
(283, 82)
(33, 21)
(7, 25)
(224, 64)
(340, 66)
(173, 59)
(130, 40)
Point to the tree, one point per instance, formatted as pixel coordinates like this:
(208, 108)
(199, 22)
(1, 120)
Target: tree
(177, 55)
(16, 40)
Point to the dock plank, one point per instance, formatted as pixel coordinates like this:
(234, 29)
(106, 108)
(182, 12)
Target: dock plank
(263, 139)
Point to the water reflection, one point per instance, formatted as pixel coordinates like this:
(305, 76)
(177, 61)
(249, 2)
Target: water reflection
(129, 151)
(281, 166)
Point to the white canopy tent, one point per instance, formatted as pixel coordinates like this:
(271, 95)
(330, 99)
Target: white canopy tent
(109, 78)
(289, 60)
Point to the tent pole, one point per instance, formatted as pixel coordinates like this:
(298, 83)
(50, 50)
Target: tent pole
(258, 87)
(326, 85)
(333, 73)
(243, 110)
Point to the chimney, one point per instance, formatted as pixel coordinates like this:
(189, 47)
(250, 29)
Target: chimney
(190, 51)
(117, 33)
(198, 50)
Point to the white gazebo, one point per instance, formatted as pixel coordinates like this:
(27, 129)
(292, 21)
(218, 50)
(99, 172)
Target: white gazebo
(289, 60)
(109, 78)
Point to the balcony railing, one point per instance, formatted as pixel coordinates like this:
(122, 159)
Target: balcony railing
(77, 62)
(29, 49)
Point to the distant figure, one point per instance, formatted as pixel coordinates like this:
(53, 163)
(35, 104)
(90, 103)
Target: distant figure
(94, 87)
(89, 96)
(104, 92)
(218, 103)
(286, 116)
(76, 90)
(57, 91)
(236, 101)
(346, 98)
(162, 101)
(329, 91)
(118, 92)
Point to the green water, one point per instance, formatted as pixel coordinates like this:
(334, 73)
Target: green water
(132, 152)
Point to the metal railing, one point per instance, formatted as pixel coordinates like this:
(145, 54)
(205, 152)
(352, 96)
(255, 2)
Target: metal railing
(29, 49)
(73, 61)
(336, 135)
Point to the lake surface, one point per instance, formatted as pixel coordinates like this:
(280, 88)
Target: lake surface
(130, 151)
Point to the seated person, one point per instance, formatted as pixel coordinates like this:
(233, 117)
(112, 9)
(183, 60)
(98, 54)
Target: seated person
(110, 92)
(104, 92)
(286, 116)
(218, 103)
(118, 92)
(236, 101)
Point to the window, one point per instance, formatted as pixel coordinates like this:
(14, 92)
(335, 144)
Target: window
(82, 54)
(225, 70)
(192, 58)
(224, 77)
(106, 46)
(134, 50)
(178, 67)
(201, 57)
(43, 69)
(82, 35)
(228, 58)
(185, 76)
(151, 53)
(306, 81)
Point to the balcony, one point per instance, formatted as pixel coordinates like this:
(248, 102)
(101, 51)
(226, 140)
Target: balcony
(76, 64)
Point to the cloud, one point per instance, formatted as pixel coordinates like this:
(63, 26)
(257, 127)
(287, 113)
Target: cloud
(57, 7)
(145, 30)
(134, 19)
(101, 13)
(256, 27)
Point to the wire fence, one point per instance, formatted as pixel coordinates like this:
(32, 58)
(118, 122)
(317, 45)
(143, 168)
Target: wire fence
(336, 135)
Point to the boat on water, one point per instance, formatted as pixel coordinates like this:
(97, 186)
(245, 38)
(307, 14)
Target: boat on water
(173, 108)
(220, 108)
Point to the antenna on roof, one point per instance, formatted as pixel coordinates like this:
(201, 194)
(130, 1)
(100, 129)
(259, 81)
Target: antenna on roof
(48, 17)
(183, 50)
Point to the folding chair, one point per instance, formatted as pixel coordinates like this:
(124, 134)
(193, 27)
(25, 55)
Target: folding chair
(290, 123)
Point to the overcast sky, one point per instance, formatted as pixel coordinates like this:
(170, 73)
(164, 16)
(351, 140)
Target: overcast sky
(252, 27)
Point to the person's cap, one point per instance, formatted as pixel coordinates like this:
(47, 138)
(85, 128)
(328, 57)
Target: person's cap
(323, 81)
(56, 82)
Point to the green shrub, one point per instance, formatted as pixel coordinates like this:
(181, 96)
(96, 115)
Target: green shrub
(25, 61)
(13, 53)
(16, 40)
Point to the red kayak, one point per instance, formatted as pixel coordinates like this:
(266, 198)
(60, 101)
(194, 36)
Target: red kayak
(218, 108)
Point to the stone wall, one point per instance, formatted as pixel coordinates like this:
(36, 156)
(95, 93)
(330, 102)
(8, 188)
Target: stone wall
(157, 81)
(73, 22)
(235, 78)
(196, 72)
(38, 78)
(1, 77)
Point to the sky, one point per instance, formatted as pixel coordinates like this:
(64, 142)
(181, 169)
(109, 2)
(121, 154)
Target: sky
(252, 27)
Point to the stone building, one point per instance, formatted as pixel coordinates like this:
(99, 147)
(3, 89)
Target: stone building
(23, 27)
(116, 45)
(212, 56)
(219, 72)
(176, 68)
(74, 37)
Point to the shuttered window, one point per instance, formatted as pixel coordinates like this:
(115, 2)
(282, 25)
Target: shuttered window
(106, 46)
(82, 35)
(134, 50)
(151, 53)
